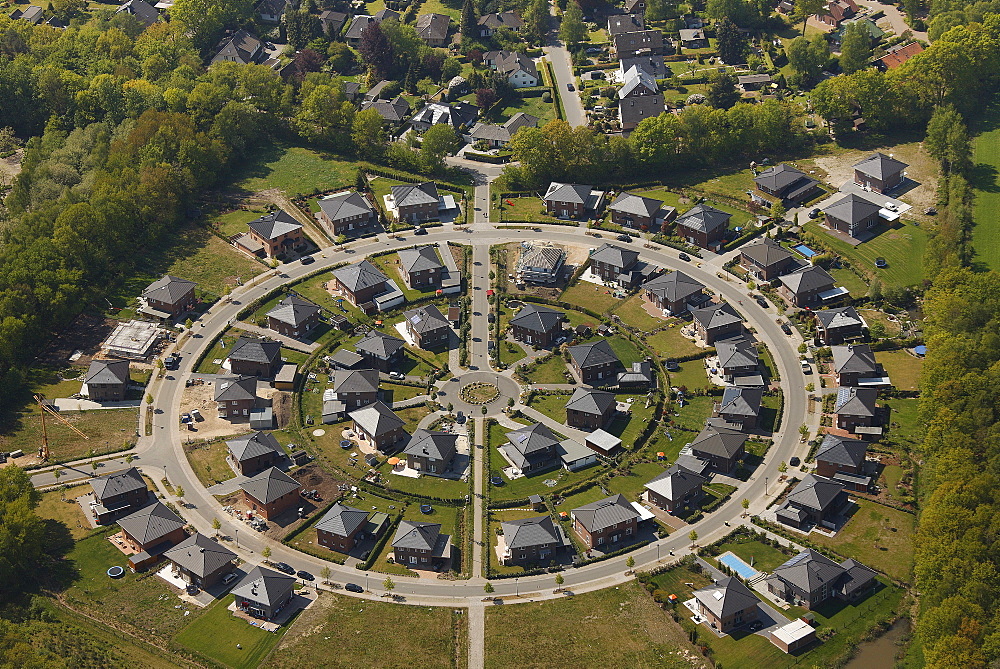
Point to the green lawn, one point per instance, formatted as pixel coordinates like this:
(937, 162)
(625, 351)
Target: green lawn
(986, 156)
(396, 392)
(878, 536)
(511, 352)
(447, 516)
(219, 351)
(614, 627)
(905, 430)
(449, 7)
(849, 280)
(670, 343)
(628, 429)
(902, 367)
(234, 222)
(198, 255)
(109, 431)
(552, 369)
(590, 296)
(209, 462)
(632, 313)
(761, 556)
(626, 351)
(690, 375)
(553, 406)
(295, 170)
(232, 641)
(341, 631)
(525, 208)
(529, 485)
(902, 247)
(544, 111)
(691, 417)
(61, 505)
(632, 484)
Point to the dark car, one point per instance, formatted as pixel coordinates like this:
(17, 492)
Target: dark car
(685, 257)
(569, 87)
(305, 576)
(794, 461)
(353, 587)
(420, 230)
(761, 301)
(172, 361)
(814, 213)
(624, 238)
(784, 328)
(285, 567)
(308, 260)
(491, 317)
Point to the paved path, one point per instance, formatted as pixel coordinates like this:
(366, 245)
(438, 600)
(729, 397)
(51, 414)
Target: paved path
(477, 636)
(896, 20)
(562, 68)
(70, 404)
(294, 344)
(479, 474)
(571, 432)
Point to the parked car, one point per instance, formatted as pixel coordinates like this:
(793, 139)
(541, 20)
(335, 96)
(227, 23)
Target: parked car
(285, 567)
(624, 238)
(794, 461)
(787, 330)
(420, 230)
(814, 213)
(685, 257)
(806, 369)
(396, 375)
(306, 260)
(353, 587)
(761, 301)
(491, 317)
(172, 361)
(305, 576)
(570, 87)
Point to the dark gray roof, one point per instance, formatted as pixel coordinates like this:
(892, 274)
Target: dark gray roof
(625, 23)
(270, 485)
(31, 13)
(856, 401)
(780, 176)
(636, 78)
(342, 520)
(591, 401)
(529, 532)
(265, 586)
(200, 555)
(604, 513)
(651, 64)
(419, 259)
(253, 445)
(345, 359)
(168, 289)
(716, 315)
(537, 318)
(345, 205)
(676, 482)
(853, 358)
(426, 319)
(736, 353)
(635, 109)
(391, 110)
(293, 310)
(333, 21)
(842, 451)
(719, 441)
(809, 571)
(433, 26)
(358, 25)
(616, 256)
(704, 218)
(767, 252)
(638, 40)
(815, 492)
(809, 278)
(376, 419)
(852, 208)
(630, 203)
(379, 344)
(593, 354)
(141, 10)
(741, 401)
(250, 349)
(532, 438)
(840, 317)
(455, 114)
(106, 372)
(151, 523)
(241, 46)
(759, 79)
(412, 194)
(275, 224)
(229, 388)
(383, 14)
(726, 597)
(637, 372)
(117, 483)
(559, 192)
(360, 276)
(416, 535)
(880, 166)
(502, 20)
(509, 62)
(436, 445)
(674, 286)
(355, 381)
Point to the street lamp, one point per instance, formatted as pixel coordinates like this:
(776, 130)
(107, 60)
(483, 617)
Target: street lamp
(516, 593)
(237, 537)
(765, 485)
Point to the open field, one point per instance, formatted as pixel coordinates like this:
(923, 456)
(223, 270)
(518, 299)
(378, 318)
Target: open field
(525, 208)
(227, 639)
(198, 255)
(631, 312)
(632, 484)
(906, 430)
(902, 367)
(986, 156)
(590, 296)
(234, 222)
(108, 429)
(62, 506)
(348, 632)
(294, 170)
(616, 627)
(550, 370)
(209, 462)
(901, 246)
(878, 536)
(670, 343)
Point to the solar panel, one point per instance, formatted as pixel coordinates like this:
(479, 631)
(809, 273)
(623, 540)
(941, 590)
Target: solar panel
(415, 319)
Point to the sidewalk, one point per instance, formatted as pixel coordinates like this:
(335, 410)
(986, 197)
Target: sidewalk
(294, 344)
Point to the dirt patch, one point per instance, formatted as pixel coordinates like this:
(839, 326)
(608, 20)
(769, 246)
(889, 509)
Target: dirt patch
(201, 397)
(281, 404)
(84, 334)
(10, 167)
(575, 256)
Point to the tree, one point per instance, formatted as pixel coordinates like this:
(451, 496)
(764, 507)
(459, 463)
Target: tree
(733, 44)
(266, 553)
(656, 10)
(469, 20)
(739, 12)
(206, 19)
(782, 467)
(536, 20)
(572, 29)
(804, 430)
(693, 536)
(179, 491)
(376, 50)
(301, 28)
(722, 93)
(388, 584)
(778, 211)
(560, 580)
(488, 588)
(341, 58)
(216, 525)
(630, 562)
(948, 139)
(324, 574)
(745, 503)
(806, 8)
(485, 98)
(808, 56)
(438, 141)
(8, 141)
(368, 135)
(855, 48)
(57, 473)
(22, 532)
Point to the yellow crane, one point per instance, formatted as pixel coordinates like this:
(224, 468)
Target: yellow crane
(43, 452)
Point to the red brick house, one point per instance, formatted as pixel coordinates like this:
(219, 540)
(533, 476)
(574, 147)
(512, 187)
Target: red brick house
(595, 362)
(852, 215)
(293, 316)
(717, 321)
(675, 292)
(740, 407)
(360, 282)
(236, 396)
(857, 411)
(421, 545)
(338, 530)
(703, 226)
(804, 287)
(572, 200)
(355, 388)
(879, 173)
(422, 268)
(428, 327)
(815, 500)
(381, 351)
(431, 452)
(836, 11)
(250, 454)
(273, 235)
(843, 460)
(855, 365)
(255, 357)
(200, 561)
(676, 489)
(264, 593)
(106, 380)
(154, 526)
(414, 203)
(118, 494)
(377, 424)
(348, 213)
(589, 409)
(642, 213)
(168, 296)
(766, 260)
(534, 540)
(610, 262)
(727, 604)
(606, 522)
(783, 182)
(270, 493)
(835, 326)
(537, 325)
(721, 447)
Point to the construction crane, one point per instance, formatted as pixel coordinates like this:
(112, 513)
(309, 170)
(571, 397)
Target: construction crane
(43, 452)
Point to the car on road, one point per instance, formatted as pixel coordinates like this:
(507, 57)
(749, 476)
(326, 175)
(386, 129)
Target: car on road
(685, 257)
(787, 330)
(308, 260)
(570, 87)
(285, 567)
(794, 461)
(172, 361)
(624, 238)
(305, 576)
(761, 301)
(353, 587)
(420, 230)
(396, 375)
(806, 369)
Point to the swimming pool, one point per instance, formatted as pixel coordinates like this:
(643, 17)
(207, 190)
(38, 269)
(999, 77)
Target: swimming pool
(804, 250)
(745, 571)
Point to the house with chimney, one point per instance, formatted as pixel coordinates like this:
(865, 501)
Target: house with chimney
(704, 226)
(418, 545)
(716, 322)
(250, 454)
(675, 292)
(843, 459)
(381, 351)
(168, 297)
(263, 593)
(727, 605)
(537, 325)
(535, 540)
(836, 326)
(531, 449)
(428, 327)
(740, 407)
(347, 213)
(379, 426)
(270, 493)
(606, 522)
(857, 412)
(879, 173)
(251, 356)
(235, 396)
(118, 494)
(855, 365)
(590, 409)
(595, 363)
(293, 316)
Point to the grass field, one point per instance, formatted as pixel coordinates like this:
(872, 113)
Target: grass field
(902, 247)
(670, 343)
(878, 536)
(632, 313)
(628, 429)
(590, 296)
(689, 374)
(108, 429)
(227, 639)
(906, 430)
(54, 505)
(511, 352)
(295, 170)
(199, 256)
(551, 370)
(544, 111)
(234, 222)
(626, 351)
(553, 406)
(903, 369)
(986, 179)
(347, 632)
(632, 484)
(209, 462)
(616, 627)
(525, 208)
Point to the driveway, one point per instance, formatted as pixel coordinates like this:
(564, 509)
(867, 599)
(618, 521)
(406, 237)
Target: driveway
(895, 20)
